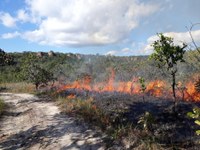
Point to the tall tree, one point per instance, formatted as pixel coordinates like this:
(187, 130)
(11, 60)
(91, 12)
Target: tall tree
(167, 54)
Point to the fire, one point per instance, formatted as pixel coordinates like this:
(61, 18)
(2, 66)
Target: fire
(191, 93)
(71, 96)
(156, 88)
(109, 86)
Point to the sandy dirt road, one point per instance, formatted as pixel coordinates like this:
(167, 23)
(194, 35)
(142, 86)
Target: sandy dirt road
(34, 123)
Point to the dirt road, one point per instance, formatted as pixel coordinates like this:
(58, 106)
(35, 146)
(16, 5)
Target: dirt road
(33, 123)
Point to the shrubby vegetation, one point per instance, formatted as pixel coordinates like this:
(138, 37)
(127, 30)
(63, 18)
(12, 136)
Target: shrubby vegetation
(68, 67)
(33, 72)
(5, 59)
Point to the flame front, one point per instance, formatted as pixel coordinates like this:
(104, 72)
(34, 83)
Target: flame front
(155, 88)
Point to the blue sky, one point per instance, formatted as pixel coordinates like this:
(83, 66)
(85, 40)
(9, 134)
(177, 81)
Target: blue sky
(116, 27)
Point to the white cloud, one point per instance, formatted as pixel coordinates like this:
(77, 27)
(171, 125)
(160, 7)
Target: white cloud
(22, 15)
(121, 52)
(126, 50)
(10, 35)
(113, 52)
(179, 38)
(84, 22)
(7, 20)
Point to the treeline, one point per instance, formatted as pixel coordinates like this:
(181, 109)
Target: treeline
(66, 67)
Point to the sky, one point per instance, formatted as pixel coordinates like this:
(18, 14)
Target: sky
(114, 27)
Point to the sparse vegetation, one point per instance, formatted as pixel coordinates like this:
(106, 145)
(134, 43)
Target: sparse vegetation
(21, 87)
(85, 109)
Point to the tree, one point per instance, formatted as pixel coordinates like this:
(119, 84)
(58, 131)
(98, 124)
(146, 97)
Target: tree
(167, 54)
(5, 59)
(31, 71)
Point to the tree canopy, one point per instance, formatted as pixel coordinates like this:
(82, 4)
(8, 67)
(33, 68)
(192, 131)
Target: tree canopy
(167, 54)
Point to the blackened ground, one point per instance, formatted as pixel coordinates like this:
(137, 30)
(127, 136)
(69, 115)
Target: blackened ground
(169, 127)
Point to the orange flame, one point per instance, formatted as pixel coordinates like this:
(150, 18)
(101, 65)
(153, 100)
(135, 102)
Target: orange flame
(191, 93)
(71, 96)
(155, 88)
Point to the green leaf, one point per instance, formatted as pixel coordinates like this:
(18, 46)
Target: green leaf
(198, 132)
(192, 115)
(197, 122)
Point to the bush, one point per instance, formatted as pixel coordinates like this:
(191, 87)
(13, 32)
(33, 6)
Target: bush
(34, 73)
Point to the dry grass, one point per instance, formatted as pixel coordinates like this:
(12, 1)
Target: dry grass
(21, 87)
(85, 109)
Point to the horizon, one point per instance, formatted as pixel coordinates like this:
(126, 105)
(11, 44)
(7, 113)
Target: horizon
(61, 52)
(125, 28)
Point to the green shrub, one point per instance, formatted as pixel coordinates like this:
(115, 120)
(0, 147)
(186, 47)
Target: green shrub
(195, 114)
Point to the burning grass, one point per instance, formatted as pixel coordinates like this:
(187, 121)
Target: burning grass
(157, 88)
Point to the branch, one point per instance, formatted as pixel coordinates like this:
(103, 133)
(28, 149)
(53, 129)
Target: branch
(190, 32)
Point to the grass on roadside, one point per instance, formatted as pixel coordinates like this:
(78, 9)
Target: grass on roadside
(21, 87)
(85, 109)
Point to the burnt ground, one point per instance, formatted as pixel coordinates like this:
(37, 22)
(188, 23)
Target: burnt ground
(169, 127)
